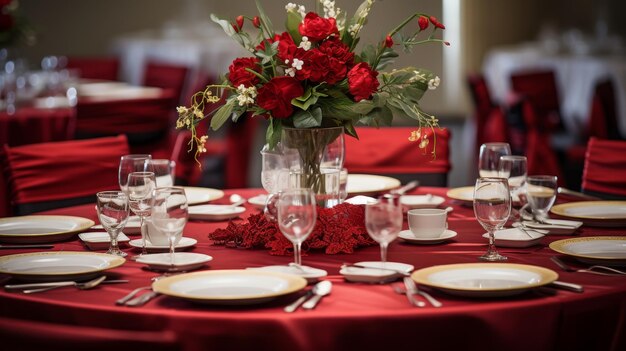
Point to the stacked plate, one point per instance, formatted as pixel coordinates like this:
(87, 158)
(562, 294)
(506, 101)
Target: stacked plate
(41, 229)
(594, 213)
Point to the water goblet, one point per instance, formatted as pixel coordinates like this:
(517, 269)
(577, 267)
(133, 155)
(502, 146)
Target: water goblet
(129, 164)
(164, 171)
(169, 214)
(113, 210)
(489, 158)
(541, 195)
(297, 214)
(514, 168)
(140, 188)
(492, 207)
(383, 221)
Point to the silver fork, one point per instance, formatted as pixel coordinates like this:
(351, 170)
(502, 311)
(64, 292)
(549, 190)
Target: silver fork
(567, 268)
(427, 296)
(132, 294)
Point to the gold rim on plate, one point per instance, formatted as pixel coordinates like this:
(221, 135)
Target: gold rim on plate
(458, 193)
(561, 210)
(55, 234)
(108, 261)
(207, 194)
(370, 184)
(561, 246)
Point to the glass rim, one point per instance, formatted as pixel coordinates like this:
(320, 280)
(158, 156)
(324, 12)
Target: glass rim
(495, 144)
(142, 173)
(491, 179)
(110, 192)
(542, 177)
(136, 156)
(513, 157)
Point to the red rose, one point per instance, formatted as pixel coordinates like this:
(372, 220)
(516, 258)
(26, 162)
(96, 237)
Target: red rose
(388, 41)
(276, 96)
(436, 23)
(422, 21)
(238, 74)
(317, 28)
(256, 22)
(239, 21)
(329, 63)
(362, 81)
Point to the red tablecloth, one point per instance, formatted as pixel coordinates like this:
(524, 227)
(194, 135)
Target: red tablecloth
(355, 316)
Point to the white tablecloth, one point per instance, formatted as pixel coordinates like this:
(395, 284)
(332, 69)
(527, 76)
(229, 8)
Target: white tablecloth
(576, 77)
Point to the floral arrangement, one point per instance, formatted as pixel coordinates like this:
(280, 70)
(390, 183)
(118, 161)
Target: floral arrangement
(311, 76)
(14, 29)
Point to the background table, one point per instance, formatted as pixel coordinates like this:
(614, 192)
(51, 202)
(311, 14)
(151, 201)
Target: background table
(355, 316)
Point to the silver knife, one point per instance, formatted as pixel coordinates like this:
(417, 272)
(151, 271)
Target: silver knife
(54, 284)
(403, 189)
(567, 286)
(566, 191)
(294, 305)
(143, 299)
(411, 289)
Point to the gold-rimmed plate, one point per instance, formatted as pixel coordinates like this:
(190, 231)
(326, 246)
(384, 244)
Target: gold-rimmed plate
(594, 213)
(605, 250)
(230, 287)
(484, 279)
(197, 195)
(464, 193)
(369, 184)
(41, 229)
(64, 265)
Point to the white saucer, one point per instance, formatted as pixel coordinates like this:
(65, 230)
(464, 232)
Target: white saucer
(215, 212)
(258, 201)
(515, 237)
(100, 240)
(421, 201)
(373, 274)
(182, 244)
(309, 273)
(183, 261)
(131, 227)
(407, 235)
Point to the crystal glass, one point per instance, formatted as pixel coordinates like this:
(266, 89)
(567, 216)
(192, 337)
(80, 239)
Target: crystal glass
(129, 164)
(170, 213)
(164, 171)
(489, 158)
(140, 189)
(541, 195)
(113, 210)
(297, 214)
(383, 221)
(492, 207)
(514, 168)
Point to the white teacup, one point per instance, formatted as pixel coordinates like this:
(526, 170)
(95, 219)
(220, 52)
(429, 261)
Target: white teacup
(427, 222)
(155, 236)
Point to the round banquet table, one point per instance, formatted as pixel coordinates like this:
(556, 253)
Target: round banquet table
(354, 316)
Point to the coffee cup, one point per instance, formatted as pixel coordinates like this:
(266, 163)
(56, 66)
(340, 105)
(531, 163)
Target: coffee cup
(427, 222)
(155, 236)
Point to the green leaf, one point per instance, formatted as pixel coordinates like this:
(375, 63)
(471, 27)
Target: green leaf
(273, 133)
(369, 54)
(265, 21)
(350, 130)
(226, 26)
(305, 101)
(308, 119)
(362, 107)
(293, 22)
(221, 116)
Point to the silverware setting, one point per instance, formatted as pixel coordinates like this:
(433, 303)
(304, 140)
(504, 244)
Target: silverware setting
(132, 294)
(567, 286)
(39, 287)
(413, 289)
(592, 269)
(312, 297)
(355, 265)
(142, 299)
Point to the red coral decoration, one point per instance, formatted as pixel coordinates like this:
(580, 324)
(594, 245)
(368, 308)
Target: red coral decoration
(340, 229)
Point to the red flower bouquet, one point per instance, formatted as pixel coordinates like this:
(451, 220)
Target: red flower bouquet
(311, 75)
(14, 29)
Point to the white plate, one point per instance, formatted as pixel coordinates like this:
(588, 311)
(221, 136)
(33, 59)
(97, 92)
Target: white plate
(605, 250)
(515, 237)
(184, 243)
(132, 226)
(183, 261)
(373, 273)
(229, 287)
(41, 229)
(197, 195)
(63, 265)
(366, 184)
(100, 240)
(407, 235)
(361, 200)
(594, 213)
(258, 201)
(215, 212)
(466, 194)
(484, 279)
(421, 201)
(556, 226)
(309, 273)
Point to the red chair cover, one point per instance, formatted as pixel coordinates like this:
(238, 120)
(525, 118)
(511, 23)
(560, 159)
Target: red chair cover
(539, 88)
(106, 68)
(605, 168)
(491, 124)
(602, 121)
(389, 151)
(37, 125)
(50, 172)
(166, 76)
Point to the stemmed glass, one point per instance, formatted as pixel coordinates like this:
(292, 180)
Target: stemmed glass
(129, 164)
(489, 158)
(492, 207)
(170, 213)
(297, 214)
(164, 171)
(541, 195)
(113, 213)
(514, 168)
(140, 190)
(383, 221)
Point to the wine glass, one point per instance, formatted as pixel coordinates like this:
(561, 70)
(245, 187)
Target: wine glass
(489, 158)
(113, 213)
(297, 214)
(514, 168)
(164, 171)
(492, 207)
(140, 187)
(383, 221)
(541, 195)
(129, 164)
(170, 213)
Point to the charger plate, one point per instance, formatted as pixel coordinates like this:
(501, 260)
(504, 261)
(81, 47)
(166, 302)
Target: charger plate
(605, 250)
(594, 213)
(368, 184)
(41, 229)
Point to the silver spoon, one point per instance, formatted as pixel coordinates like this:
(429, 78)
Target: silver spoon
(236, 200)
(320, 290)
(82, 286)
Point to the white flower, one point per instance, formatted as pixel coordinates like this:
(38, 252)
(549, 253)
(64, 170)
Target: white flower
(291, 72)
(305, 44)
(297, 64)
(433, 83)
(354, 29)
(302, 11)
(290, 7)
(246, 95)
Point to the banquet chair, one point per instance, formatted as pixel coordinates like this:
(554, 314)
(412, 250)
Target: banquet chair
(604, 174)
(539, 88)
(37, 125)
(166, 76)
(105, 68)
(388, 151)
(60, 174)
(490, 119)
